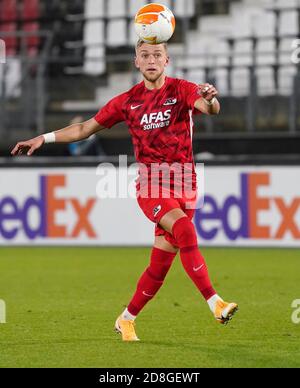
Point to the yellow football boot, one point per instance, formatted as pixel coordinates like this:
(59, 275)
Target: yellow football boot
(225, 311)
(126, 328)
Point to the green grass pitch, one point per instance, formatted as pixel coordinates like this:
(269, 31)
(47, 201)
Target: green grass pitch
(62, 304)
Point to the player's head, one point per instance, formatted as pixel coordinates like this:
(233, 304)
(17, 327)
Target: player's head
(151, 59)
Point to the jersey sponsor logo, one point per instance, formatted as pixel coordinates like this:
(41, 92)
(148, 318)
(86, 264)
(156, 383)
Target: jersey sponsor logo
(156, 120)
(170, 101)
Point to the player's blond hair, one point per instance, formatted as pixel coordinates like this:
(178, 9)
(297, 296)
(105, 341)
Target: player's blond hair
(140, 43)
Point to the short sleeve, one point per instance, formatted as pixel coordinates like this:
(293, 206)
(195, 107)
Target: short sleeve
(191, 92)
(112, 113)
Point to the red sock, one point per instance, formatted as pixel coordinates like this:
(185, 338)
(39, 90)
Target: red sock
(151, 280)
(191, 258)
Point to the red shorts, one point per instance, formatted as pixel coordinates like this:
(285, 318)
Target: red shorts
(156, 208)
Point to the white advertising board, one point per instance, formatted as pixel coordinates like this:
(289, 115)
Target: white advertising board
(244, 206)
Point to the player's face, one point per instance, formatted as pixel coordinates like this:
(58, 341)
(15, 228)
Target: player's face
(151, 60)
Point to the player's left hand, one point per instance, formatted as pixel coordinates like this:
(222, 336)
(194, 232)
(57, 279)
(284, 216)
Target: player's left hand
(208, 91)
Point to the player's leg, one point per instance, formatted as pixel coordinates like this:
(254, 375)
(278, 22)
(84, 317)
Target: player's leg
(183, 231)
(162, 256)
(149, 284)
(162, 244)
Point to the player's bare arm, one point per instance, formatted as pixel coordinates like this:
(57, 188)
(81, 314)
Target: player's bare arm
(208, 103)
(70, 134)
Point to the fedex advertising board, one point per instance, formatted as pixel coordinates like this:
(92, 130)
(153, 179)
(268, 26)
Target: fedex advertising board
(244, 206)
(250, 207)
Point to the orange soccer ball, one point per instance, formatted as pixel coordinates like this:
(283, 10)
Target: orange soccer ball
(155, 23)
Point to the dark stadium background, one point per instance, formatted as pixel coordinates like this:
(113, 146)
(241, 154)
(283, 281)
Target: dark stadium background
(59, 56)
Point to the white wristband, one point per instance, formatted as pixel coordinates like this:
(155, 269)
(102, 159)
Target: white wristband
(49, 137)
(211, 102)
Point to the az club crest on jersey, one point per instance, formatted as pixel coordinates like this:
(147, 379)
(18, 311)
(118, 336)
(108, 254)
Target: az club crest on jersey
(170, 101)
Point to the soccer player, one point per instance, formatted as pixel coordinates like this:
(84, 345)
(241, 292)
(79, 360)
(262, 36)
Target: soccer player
(158, 112)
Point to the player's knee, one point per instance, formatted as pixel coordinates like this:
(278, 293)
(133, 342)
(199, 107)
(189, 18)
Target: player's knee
(184, 233)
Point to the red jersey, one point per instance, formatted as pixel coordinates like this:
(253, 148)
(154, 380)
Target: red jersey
(159, 120)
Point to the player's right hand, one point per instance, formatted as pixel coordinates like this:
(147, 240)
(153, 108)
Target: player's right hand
(29, 146)
(208, 91)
